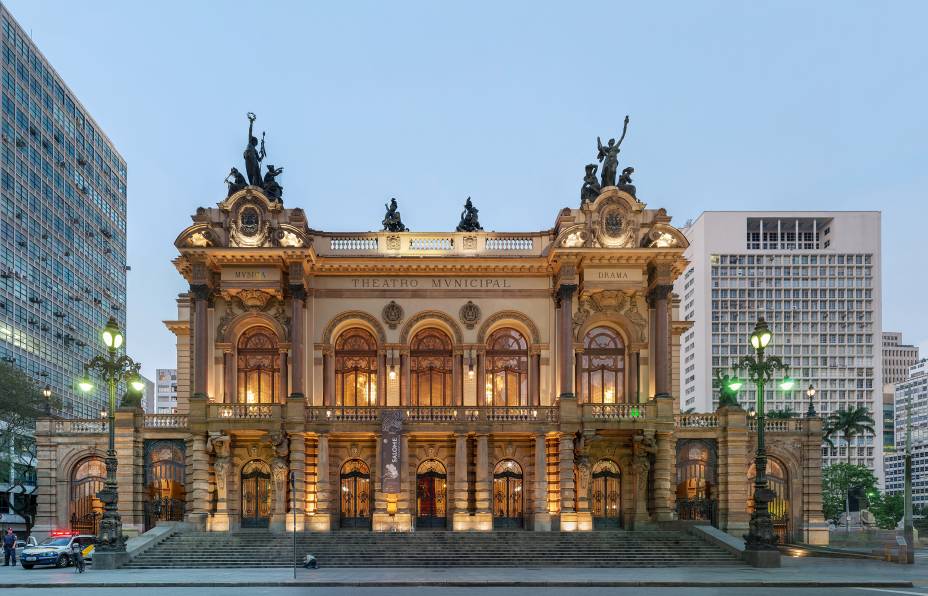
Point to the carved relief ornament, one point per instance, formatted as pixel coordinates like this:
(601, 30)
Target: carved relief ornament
(628, 304)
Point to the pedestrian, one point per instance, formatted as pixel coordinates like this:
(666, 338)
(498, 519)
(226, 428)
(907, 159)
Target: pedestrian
(9, 547)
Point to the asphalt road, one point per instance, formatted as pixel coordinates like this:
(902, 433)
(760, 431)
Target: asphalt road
(470, 591)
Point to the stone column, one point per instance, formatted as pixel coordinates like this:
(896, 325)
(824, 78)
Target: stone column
(298, 494)
(284, 377)
(814, 527)
(732, 470)
(664, 494)
(200, 293)
(481, 380)
(632, 396)
(325, 508)
(297, 347)
(405, 399)
(457, 380)
(659, 297)
(382, 379)
(533, 392)
(484, 483)
(542, 517)
(568, 493)
(460, 477)
(198, 480)
(328, 377)
(565, 342)
(228, 366)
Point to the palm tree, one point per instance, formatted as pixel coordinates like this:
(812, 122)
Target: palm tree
(849, 423)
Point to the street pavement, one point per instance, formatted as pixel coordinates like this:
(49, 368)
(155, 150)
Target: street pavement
(842, 574)
(508, 591)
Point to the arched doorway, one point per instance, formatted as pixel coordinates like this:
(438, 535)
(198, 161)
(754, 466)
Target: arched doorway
(606, 495)
(602, 367)
(778, 481)
(355, 494)
(430, 368)
(696, 481)
(256, 494)
(507, 494)
(165, 493)
(85, 509)
(431, 495)
(258, 366)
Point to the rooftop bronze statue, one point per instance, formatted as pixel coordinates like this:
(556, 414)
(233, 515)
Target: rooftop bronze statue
(590, 189)
(253, 156)
(625, 181)
(609, 156)
(469, 220)
(236, 181)
(271, 187)
(392, 221)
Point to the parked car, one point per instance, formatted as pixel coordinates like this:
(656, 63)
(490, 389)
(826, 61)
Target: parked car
(56, 550)
(23, 544)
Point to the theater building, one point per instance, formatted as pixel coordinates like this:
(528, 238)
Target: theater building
(467, 381)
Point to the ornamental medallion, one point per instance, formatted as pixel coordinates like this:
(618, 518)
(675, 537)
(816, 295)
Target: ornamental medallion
(469, 314)
(392, 314)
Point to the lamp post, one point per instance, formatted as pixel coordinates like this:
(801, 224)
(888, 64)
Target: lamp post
(760, 541)
(810, 393)
(112, 368)
(47, 394)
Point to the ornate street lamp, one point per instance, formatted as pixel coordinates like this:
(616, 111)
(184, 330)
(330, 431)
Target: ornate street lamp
(47, 394)
(760, 541)
(113, 369)
(810, 393)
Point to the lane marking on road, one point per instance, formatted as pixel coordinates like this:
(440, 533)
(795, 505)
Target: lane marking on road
(891, 591)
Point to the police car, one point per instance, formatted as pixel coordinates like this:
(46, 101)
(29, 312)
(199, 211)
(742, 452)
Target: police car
(56, 550)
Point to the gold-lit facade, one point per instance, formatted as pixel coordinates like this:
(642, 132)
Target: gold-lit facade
(464, 380)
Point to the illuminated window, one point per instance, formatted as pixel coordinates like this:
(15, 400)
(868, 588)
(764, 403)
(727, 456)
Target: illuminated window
(430, 368)
(507, 368)
(602, 367)
(258, 357)
(355, 369)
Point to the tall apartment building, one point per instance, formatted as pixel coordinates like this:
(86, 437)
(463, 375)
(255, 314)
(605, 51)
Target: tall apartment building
(165, 391)
(911, 401)
(897, 359)
(62, 226)
(815, 277)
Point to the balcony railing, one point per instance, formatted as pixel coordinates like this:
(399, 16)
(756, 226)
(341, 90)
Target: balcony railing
(433, 414)
(165, 421)
(431, 244)
(353, 244)
(245, 411)
(613, 411)
(79, 426)
(521, 414)
(697, 420)
(779, 425)
(343, 414)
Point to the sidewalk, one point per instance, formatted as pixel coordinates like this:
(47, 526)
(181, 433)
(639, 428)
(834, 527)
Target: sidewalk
(801, 572)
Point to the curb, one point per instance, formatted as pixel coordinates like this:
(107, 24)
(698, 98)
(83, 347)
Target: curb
(475, 584)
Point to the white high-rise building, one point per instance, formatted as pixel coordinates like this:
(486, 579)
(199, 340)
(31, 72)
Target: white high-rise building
(815, 277)
(165, 391)
(911, 397)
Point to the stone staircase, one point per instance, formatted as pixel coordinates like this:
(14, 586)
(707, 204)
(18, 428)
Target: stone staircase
(658, 548)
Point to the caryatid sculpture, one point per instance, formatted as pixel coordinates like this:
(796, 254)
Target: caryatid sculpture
(220, 446)
(609, 156)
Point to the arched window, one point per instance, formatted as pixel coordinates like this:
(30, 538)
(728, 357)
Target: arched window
(507, 368)
(85, 508)
(165, 467)
(355, 369)
(507, 494)
(695, 481)
(430, 367)
(258, 357)
(602, 367)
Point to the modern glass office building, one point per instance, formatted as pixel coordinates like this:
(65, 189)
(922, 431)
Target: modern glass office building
(62, 226)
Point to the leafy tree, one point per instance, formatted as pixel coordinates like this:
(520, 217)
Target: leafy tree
(21, 402)
(784, 414)
(849, 423)
(887, 509)
(837, 480)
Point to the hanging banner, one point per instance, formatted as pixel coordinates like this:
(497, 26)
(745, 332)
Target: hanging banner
(391, 450)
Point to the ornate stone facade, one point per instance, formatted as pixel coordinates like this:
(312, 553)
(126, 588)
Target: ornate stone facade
(531, 374)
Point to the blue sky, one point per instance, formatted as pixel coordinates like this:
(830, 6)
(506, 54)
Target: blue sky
(734, 105)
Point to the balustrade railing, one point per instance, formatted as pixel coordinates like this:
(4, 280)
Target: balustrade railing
(342, 414)
(697, 420)
(779, 425)
(245, 411)
(613, 411)
(79, 426)
(509, 244)
(353, 244)
(166, 420)
(413, 415)
(521, 414)
(439, 243)
(433, 414)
